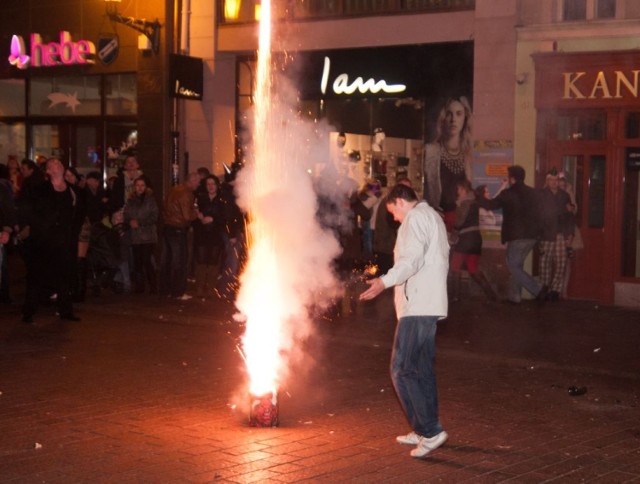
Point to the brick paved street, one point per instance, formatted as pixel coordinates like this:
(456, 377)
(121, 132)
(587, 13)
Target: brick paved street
(148, 390)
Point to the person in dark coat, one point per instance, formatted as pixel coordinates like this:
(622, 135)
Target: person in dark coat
(234, 237)
(54, 216)
(7, 224)
(520, 231)
(209, 230)
(141, 214)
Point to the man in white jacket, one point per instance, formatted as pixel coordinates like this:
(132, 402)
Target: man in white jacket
(419, 274)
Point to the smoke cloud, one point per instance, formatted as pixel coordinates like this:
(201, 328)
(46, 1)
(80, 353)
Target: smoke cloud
(289, 274)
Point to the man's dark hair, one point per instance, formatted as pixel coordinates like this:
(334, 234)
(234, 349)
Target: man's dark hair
(30, 163)
(401, 191)
(516, 172)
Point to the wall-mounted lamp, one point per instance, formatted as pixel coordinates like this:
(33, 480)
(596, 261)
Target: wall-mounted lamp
(522, 78)
(150, 30)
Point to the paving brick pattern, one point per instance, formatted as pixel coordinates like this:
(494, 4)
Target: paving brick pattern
(148, 390)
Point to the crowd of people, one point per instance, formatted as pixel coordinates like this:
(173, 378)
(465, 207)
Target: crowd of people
(75, 235)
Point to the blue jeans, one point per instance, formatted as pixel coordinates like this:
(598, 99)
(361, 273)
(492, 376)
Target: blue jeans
(173, 263)
(413, 375)
(228, 280)
(517, 252)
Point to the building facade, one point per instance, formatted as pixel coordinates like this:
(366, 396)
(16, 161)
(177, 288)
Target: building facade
(551, 84)
(80, 86)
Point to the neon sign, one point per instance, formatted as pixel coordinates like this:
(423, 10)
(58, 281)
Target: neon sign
(66, 52)
(341, 83)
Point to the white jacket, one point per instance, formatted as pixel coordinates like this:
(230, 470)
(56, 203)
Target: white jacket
(421, 256)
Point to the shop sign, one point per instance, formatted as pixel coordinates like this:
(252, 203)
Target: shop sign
(64, 52)
(108, 48)
(342, 84)
(186, 78)
(604, 85)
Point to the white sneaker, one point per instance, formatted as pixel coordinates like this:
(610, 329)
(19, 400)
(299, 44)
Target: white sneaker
(427, 444)
(410, 439)
(184, 297)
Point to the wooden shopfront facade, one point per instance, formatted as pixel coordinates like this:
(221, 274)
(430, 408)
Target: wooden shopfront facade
(588, 126)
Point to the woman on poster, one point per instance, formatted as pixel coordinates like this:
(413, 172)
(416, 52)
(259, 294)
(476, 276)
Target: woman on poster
(448, 158)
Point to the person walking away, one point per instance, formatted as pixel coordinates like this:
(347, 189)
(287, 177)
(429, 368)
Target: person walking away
(178, 212)
(419, 275)
(557, 234)
(520, 231)
(141, 214)
(468, 247)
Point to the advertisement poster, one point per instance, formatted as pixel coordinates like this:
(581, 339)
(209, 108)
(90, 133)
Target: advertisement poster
(491, 159)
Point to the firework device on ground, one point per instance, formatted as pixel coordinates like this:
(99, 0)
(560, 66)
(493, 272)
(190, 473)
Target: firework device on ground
(264, 410)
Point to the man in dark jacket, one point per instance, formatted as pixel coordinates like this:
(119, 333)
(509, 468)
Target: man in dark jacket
(520, 231)
(178, 212)
(54, 216)
(7, 224)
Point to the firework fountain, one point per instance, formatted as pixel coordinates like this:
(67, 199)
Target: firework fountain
(289, 255)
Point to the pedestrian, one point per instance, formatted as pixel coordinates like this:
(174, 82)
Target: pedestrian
(419, 275)
(209, 230)
(8, 218)
(234, 237)
(141, 214)
(556, 212)
(468, 243)
(54, 216)
(520, 231)
(178, 212)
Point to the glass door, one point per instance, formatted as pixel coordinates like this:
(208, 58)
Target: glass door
(586, 175)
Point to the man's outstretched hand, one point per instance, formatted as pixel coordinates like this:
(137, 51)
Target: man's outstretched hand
(376, 286)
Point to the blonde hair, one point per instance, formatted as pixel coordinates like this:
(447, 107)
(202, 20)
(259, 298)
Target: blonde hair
(465, 134)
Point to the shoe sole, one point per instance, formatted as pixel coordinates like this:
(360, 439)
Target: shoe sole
(432, 447)
(403, 441)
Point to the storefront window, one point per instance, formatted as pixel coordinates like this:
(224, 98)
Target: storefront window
(45, 139)
(122, 139)
(369, 6)
(316, 8)
(243, 11)
(577, 127)
(121, 94)
(606, 9)
(596, 193)
(631, 214)
(65, 96)
(12, 101)
(12, 141)
(575, 10)
(632, 126)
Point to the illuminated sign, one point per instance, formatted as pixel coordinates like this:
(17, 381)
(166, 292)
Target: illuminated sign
(341, 84)
(186, 77)
(66, 52)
